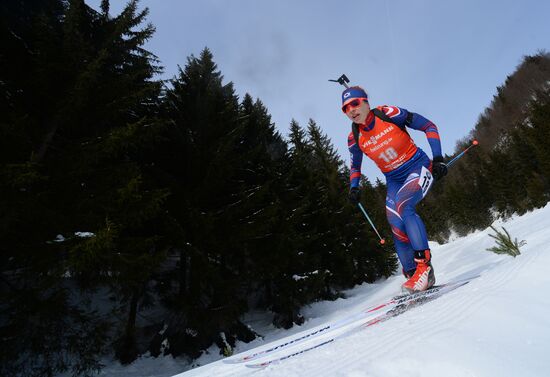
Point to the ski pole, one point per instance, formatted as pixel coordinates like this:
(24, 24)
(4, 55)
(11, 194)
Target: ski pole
(382, 241)
(474, 143)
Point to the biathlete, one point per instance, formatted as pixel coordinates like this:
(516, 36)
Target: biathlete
(381, 134)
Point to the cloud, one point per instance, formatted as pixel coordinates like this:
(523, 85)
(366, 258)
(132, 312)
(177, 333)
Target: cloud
(265, 62)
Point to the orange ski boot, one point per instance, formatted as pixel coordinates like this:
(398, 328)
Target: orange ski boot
(424, 277)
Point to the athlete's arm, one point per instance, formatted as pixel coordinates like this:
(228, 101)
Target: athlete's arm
(356, 158)
(403, 118)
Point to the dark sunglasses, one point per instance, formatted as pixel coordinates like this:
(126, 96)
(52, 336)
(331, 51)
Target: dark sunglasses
(352, 105)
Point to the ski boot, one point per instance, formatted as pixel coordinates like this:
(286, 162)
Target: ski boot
(424, 277)
(409, 273)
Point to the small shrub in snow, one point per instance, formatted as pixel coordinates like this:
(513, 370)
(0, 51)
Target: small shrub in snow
(505, 245)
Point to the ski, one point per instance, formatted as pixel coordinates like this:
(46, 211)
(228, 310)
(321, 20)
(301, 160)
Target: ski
(318, 331)
(403, 304)
(322, 330)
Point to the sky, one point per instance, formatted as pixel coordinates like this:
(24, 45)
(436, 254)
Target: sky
(495, 325)
(441, 59)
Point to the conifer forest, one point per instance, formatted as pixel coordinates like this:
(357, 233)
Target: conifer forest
(135, 210)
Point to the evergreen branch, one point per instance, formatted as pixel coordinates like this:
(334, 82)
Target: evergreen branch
(505, 244)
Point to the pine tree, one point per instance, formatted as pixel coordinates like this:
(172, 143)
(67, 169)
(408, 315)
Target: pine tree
(81, 126)
(221, 194)
(280, 268)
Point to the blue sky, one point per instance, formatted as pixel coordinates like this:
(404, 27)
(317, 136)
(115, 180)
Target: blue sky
(442, 59)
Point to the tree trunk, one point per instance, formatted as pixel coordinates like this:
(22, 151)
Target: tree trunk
(126, 349)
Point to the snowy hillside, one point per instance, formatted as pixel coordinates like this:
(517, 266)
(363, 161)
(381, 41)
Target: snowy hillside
(496, 325)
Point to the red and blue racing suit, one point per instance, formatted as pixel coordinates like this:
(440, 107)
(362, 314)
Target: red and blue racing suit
(402, 162)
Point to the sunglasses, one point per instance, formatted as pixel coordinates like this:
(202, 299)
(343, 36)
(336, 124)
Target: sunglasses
(353, 104)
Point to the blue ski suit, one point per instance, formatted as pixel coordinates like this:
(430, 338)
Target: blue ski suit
(407, 169)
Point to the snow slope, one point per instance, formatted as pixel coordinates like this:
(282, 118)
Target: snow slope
(497, 325)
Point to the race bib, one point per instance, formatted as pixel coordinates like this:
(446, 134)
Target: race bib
(425, 181)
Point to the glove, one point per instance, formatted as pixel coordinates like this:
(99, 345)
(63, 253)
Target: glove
(439, 168)
(354, 195)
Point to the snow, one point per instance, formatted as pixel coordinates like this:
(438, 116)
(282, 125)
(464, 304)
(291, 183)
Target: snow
(61, 238)
(496, 325)
(302, 277)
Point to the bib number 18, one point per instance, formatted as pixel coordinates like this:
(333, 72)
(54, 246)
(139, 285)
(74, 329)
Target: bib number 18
(388, 155)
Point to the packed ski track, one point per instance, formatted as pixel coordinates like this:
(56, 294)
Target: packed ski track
(495, 325)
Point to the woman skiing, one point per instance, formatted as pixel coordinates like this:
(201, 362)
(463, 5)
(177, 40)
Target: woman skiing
(381, 134)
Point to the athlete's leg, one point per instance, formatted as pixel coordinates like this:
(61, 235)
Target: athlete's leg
(407, 197)
(405, 252)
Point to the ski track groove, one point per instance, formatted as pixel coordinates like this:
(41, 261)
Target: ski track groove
(373, 342)
(458, 309)
(408, 328)
(452, 310)
(391, 337)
